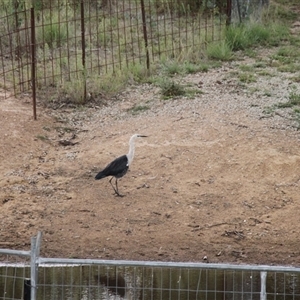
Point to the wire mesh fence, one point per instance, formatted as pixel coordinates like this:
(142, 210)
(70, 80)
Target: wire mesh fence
(63, 49)
(100, 281)
(153, 280)
(244, 9)
(14, 274)
(60, 278)
(13, 281)
(103, 282)
(73, 43)
(15, 50)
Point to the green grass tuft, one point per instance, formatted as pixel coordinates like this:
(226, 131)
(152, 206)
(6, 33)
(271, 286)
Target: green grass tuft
(138, 109)
(219, 51)
(247, 77)
(170, 89)
(252, 34)
(294, 100)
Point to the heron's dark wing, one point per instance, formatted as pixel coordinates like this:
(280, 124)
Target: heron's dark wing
(117, 168)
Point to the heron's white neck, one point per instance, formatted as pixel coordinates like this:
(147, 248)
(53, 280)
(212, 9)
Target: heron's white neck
(131, 149)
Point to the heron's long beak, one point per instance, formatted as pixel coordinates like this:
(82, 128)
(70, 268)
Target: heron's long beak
(143, 135)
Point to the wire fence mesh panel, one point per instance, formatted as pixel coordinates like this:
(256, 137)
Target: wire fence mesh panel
(14, 277)
(88, 282)
(121, 282)
(72, 44)
(175, 28)
(59, 56)
(15, 55)
(244, 9)
(13, 282)
(77, 42)
(283, 286)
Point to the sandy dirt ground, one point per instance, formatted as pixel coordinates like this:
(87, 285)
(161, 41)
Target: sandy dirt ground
(215, 180)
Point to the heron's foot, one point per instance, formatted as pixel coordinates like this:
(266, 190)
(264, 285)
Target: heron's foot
(117, 194)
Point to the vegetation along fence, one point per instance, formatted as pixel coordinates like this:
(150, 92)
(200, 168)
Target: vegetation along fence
(68, 49)
(58, 278)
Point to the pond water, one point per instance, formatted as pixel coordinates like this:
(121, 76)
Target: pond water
(105, 282)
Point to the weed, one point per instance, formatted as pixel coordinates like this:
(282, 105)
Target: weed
(138, 109)
(265, 73)
(219, 51)
(260, 64)
(172, 68)
(267, 93)
(247, 77)
(246, 68)
(107, 84)
(250, 52)
(170, 89)
(55, 31)
(236, 37)
(193, 68)
(192, 92)
(268, 110)
(244, 36)
(290, 67)
(294, 98)
(287, 52)
(293, 102)
(73, 90)
(296, 78)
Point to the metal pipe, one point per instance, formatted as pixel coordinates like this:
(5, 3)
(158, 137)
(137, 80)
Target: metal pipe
(33, 269)
(263, 285)
(15, 252)
(66, 261)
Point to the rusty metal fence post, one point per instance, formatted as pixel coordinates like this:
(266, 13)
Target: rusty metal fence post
(33, 60)
(228, 12)
(83, 47)
(145, 34)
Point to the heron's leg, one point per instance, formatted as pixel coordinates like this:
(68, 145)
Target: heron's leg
(112, 185)
(117, 190)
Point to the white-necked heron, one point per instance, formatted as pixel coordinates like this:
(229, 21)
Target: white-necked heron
(119, 167)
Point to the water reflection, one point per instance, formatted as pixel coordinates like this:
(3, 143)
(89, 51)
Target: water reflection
(100, 282)
(12, 281)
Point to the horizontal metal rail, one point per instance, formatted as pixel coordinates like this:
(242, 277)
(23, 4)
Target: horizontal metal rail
(15, 252)
(65, 261)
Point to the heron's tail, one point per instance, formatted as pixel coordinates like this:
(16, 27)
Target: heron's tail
(100, 175)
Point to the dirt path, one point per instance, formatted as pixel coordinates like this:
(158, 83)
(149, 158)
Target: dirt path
(215, 180)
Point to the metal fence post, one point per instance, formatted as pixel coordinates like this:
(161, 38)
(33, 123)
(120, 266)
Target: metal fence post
(33, 269)
(145, 33)
(33, 69)
(263, 286)
(228, 12)
(83, 47)
(35, 252)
